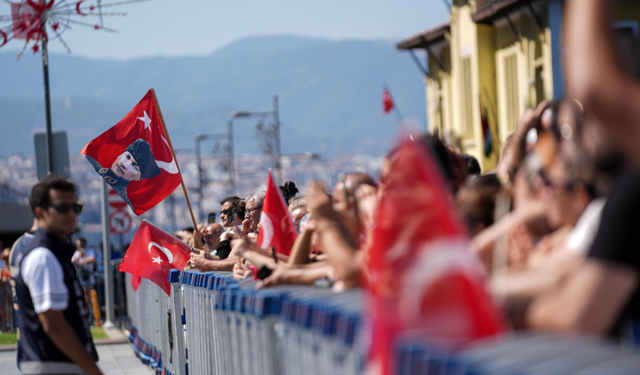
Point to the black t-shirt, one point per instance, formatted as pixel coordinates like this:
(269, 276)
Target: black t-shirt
(224, 249)
(618, 240)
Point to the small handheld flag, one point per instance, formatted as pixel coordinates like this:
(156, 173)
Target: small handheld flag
(276, 227)
(424, 281)
(152, 254)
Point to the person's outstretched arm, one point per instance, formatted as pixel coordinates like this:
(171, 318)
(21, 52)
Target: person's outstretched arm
(302, 247)
(595, 76)
(335, 243)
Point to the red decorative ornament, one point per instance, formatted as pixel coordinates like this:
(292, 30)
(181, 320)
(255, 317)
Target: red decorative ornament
(26, 19)
(35, 48)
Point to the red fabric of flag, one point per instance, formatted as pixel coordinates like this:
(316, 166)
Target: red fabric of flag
(387, 102)
(276, 227)
(424, 281)
(134, 157)
(135, 282)
(153, 253)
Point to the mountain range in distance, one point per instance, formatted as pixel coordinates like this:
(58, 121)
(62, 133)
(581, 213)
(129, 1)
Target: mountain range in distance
(330, 94)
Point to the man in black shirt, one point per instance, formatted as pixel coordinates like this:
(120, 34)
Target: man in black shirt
(54, 334)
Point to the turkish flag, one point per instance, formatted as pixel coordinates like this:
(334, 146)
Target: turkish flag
(276, 227)
(153, 253)
(387, 102)
(135, 158)
(424, 281)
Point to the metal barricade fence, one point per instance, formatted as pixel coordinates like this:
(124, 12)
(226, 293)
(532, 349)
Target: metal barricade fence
(155, 325)
(213, 324)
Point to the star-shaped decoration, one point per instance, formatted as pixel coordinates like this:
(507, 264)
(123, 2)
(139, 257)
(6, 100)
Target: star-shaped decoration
(35, 48)
(147, 120)
(91, 8)
(157, 260)
(55, 26)
(96, 27)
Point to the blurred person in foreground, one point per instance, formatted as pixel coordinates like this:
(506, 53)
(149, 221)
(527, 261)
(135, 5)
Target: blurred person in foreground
(54, 332)
(603, 295)
(573, 202)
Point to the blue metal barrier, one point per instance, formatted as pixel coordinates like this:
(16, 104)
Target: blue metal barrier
(230, 328)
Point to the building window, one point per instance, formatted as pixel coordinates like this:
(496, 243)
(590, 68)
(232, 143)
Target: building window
(467, 98)
(511, 90)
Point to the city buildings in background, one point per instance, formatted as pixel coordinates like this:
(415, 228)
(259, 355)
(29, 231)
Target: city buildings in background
(19, 174)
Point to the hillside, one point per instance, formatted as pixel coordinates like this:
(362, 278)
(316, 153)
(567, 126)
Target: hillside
(330, 94)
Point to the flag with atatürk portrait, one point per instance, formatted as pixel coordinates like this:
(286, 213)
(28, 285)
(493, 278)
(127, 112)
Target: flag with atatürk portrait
(135, 158)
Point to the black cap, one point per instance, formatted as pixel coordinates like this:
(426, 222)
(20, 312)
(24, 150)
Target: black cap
(141, 152)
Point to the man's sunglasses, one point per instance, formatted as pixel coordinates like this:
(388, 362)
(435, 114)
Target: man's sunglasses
(226, 212)
(253, 209)
(64, 208)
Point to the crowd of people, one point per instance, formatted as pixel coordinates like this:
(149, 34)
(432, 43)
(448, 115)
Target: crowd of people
(554, 224)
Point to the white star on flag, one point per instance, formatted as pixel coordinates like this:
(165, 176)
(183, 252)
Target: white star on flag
(157, 260)
(146, 119)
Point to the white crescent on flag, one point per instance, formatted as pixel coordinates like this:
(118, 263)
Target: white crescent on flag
(166, 251)
(170, 167)
(266, 228)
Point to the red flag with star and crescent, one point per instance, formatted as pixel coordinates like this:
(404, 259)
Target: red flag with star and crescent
(135, 158)
(276, 227)
(425, 283)
(153, 253)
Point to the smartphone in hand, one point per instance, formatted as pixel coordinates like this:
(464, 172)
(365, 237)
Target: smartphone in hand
(212, 218)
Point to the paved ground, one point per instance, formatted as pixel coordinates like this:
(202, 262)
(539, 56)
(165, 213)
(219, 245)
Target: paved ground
(114, 360)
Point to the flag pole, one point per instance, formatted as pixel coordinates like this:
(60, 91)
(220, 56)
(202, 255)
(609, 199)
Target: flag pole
(184, 187)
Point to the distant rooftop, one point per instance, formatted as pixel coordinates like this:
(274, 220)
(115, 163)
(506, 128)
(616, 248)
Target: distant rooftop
(425, 38)
(488, 10)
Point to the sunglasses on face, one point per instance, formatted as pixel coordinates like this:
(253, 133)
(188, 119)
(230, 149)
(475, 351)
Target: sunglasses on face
(253, 209)
(64, 208)
(549, 183)
(225, 212)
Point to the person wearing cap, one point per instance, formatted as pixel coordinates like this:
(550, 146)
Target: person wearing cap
(136, 163)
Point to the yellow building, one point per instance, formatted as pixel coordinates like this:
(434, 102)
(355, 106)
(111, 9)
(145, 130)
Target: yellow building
(491, 61)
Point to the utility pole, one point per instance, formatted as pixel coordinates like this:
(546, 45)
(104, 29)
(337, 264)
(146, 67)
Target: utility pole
(106, 248)
(200, 181)
(232, 171)
(47, 101)
(276, 119)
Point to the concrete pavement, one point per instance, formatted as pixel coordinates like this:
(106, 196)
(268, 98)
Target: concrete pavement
(116, 359)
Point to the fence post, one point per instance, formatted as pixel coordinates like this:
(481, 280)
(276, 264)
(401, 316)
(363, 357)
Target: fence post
(177, 328)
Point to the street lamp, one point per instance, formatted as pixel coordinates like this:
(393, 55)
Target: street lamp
(236, 114)
(198, 139)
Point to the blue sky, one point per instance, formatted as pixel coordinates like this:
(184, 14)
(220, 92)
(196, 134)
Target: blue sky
(197, 27)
